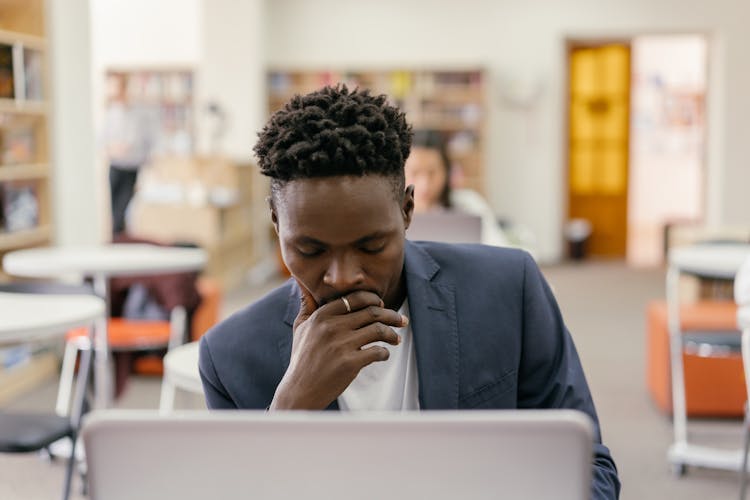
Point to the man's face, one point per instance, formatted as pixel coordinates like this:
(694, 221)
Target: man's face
(342, 234)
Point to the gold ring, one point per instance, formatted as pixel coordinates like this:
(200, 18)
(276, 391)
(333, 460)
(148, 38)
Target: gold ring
(346, 303)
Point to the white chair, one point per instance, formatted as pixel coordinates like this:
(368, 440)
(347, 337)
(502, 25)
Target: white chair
(742, 297)
(180, 372)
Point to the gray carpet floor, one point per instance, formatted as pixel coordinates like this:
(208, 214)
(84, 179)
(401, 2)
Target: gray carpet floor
(603, 304)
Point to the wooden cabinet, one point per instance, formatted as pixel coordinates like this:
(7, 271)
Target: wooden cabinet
(25, 212)
(449, 100)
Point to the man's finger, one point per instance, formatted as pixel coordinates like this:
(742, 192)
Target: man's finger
(375, 314)
(355, 300)
(307, 304)
(369, 355)
(374, 333)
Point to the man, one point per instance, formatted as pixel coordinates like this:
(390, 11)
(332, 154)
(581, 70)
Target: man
(371, 321)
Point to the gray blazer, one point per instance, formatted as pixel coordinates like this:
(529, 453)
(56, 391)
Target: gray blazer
(487, 332)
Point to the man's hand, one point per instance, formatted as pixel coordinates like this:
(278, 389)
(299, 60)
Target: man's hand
(327, 349)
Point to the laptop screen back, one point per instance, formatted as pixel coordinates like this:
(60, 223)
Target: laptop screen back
(435, 455)
(446, 227)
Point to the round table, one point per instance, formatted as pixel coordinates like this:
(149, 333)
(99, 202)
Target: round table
(29, 317)
(101, 262)
(711, 260)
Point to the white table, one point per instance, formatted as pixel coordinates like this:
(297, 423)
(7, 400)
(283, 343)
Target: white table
(723, 261)
(180, 371)
(101, 262)
(30, 317)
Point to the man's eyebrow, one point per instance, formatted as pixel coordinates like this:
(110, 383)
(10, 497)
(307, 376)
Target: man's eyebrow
(374, 236)
(309, 240)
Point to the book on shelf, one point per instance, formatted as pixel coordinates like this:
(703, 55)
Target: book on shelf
(20, 205)
(7, 86)
(178, 87)
(33, 71)
(17, 143)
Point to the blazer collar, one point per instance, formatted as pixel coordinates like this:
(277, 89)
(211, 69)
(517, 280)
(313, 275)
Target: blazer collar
(432, 310)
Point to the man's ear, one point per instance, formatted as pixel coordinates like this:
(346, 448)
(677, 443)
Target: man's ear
(274, 216)
(407, 207)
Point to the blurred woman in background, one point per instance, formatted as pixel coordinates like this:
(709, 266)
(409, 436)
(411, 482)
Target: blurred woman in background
(428, 168)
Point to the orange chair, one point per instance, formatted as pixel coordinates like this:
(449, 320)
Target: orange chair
(128, 338)
(125, 337)
(204, 317)
(714, 385)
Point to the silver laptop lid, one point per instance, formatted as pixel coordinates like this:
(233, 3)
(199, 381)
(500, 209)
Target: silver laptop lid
(331, 455)
(446, 227)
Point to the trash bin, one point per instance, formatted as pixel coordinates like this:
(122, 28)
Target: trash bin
(577, 233)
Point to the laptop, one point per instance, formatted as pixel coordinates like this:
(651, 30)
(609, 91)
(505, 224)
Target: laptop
(446, 227)
(440, 455)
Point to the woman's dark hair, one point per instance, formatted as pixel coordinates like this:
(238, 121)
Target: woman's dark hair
(433, 139)
(334, 131)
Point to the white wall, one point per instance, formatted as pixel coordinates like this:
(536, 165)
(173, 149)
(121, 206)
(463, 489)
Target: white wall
(232, 73)
(76, 216)
(516, 38)
(138, 33)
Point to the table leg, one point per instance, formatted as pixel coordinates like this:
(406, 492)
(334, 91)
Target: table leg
(102, 378)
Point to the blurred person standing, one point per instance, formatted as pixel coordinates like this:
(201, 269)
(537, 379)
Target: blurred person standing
(129, 136)
(428, 168)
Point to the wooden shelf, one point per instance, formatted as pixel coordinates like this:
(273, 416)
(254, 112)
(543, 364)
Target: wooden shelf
(25, 238)
(443, 124)
(23, 172)
(30, 41)
(450, 100)
(24, 107)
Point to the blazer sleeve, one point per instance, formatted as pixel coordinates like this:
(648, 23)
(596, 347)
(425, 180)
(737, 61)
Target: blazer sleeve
(551, 375)
(214, 391)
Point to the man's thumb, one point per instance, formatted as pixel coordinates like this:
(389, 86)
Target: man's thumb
(307, 304)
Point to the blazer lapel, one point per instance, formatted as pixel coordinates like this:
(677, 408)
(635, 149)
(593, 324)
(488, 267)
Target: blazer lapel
(432, 307)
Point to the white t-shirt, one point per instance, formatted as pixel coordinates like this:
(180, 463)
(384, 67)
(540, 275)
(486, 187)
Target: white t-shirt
(387, 385)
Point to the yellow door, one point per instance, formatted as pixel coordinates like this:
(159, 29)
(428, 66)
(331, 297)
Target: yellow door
(598, 144)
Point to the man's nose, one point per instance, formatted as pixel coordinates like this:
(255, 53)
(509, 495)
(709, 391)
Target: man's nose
(344, 274)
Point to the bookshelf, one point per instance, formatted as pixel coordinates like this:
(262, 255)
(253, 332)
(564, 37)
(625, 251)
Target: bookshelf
(451, 100)
(25, 167)
(165, 96)
(25, 172)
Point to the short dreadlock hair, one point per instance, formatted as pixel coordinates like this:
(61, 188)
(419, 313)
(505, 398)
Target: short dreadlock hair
(334, 131)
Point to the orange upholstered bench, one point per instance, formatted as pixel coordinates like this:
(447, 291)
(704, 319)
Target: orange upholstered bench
(714, 385)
